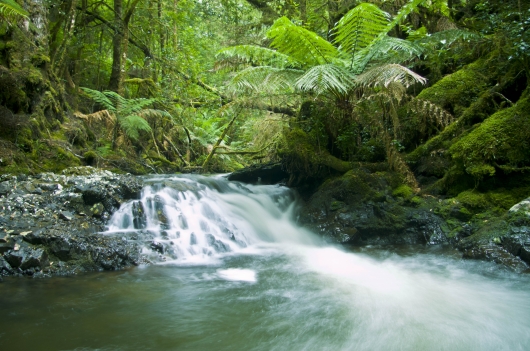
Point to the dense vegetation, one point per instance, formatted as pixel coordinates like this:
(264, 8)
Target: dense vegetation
(437, 90)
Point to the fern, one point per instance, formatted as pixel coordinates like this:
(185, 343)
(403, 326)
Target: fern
(265, 80)
(387, 50)
(100, 98)
(10, 10)
(302, 45)
(385, 75)
(360, 27)
(132, 124)
(326, 78)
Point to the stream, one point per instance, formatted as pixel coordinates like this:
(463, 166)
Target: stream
(233, 271)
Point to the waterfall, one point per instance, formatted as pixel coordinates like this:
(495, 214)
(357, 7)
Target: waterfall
(195, 217)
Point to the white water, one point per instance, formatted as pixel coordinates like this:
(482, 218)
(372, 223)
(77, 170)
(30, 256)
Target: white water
(270, 286)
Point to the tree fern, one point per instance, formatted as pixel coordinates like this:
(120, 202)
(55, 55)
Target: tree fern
(302, 45)
(10, 10)
(129, 114)
(360, 27)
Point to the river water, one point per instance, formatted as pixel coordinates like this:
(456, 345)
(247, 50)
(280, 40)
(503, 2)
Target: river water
(237, 273)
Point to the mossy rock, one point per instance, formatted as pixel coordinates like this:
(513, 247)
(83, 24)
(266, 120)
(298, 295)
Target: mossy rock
(458, 90)
(502, 141)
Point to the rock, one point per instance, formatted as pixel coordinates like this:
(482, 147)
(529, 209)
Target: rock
(497, 254)
(5, 188)
(218, 245)
(9, 244)
(193, 239)
(66, 215)
(5, 267)
(97, 210)
(523, 206)
(34, 258)
(270, 173)
(139, 218)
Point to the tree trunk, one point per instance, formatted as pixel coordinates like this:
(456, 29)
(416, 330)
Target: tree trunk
(116, 75)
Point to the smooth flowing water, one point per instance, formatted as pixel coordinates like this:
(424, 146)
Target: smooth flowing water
(234, 272)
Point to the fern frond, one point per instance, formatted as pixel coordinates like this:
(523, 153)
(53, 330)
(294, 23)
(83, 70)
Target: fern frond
(386, 74)
(264, 80)
(133, 106)
(447, 37)
(10, 9)
(434, 113)
(387, 50)
(133, 124)
(234, 56)
(359, 27)
(103, 115)
(303, 45)
(326, 78)
(149, 112)
(100, 98)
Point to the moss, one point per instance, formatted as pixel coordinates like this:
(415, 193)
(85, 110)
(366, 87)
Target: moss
(502, 141)
(39, 60)
(458, 90)
(403, 191)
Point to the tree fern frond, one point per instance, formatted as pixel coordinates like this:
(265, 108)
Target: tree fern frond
(359, 27)
(386, 74)
(434, 113)
(326, 78)
(301, 44)
(254, 55)
(100, 98)
(10, 9)
(264, 79)
(387, 50)
(132, 124)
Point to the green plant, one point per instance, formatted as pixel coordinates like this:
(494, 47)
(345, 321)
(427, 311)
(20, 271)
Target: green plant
(10, 10)
(127, 114)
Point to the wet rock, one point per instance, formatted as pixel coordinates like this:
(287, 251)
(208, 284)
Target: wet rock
(216, 244)
(139, 217)
(97, 210)
(156, 246)
(5, 188)
(9, 244)
(497, 254)
(5, 267)
(193, 239)
(66, 215)
(33, 258)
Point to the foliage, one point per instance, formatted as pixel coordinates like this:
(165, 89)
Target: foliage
(10, 10)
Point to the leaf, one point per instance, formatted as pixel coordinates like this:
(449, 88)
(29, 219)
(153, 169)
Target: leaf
(132, 124)
(326, 78)
(265, 80)
(384, 75)
(302, 45)
(360, 27)
(11, 10)
(100, 98)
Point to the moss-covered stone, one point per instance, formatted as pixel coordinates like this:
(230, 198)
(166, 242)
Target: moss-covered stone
(502, 141)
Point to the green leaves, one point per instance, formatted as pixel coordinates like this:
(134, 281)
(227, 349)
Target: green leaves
(326, 78)
(302, 45)
(10, 10)
(360, 27)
